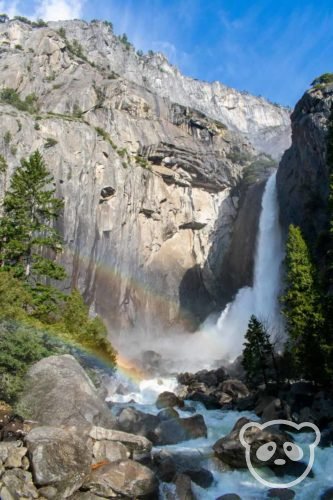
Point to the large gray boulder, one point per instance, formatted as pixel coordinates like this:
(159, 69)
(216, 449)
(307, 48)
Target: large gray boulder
(16, 484)
(59, 457)
(138, 446)
(126, 478)
(137, 422)
(168, 400)
(59, 392)
(231, 451)
(180, 429)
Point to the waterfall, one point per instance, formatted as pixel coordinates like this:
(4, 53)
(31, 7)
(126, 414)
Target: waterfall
(262, 298)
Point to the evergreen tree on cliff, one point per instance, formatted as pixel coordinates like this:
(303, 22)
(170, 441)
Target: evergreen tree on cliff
(28, 239)
(302, 309)
(257, 351)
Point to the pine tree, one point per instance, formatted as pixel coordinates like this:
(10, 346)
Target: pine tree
(28, 239)
(302, 308)
(257, 351)
(26, 228)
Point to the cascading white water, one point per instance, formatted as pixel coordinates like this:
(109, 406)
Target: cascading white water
(262, 298)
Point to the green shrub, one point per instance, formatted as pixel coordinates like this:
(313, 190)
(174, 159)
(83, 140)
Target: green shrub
(258, 169)
(238, 156)
(76, 49)
(23, 19)
(124, 40)
(3, 165)
(77, 111)
(10, 96)
(103, 133)
(15, 298)
(20, 347)
(87, 332)
(108, 24)
(7, 138)
(50, 142)
(4, 18)
(18, 46)
(322, 80)
(62, 32)
(40, 23)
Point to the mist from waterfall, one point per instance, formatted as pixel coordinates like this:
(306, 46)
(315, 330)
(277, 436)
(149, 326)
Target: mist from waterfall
(261, 299)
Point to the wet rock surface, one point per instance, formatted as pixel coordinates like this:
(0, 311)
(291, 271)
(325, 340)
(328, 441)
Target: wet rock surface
(230, 450)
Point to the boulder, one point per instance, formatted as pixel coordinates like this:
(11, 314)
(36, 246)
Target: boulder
(211, 378)
(167, 414)
(166, 467)
(48, 492)
(230, 450)
(137, 422)
(210, 401)
(263, 401)
(275, 410)
(281, 494)
(235, 388)
(12, 453)
(327, 495)
(136, 445)
(86, 495)
(58, 457)
(183, 458)
(184, 487)
(229, 496)
(16, 484)
(109, 450)
(168, 400)
(127, 478)
(59, 392)
(180, 429)
(202, 477)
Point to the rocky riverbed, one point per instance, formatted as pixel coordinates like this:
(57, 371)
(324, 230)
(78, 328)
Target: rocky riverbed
(179, 443)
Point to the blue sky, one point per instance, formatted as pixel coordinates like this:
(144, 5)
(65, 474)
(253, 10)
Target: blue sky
(270, 48)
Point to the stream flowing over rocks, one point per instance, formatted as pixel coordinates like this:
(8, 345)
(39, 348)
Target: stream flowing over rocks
(157, 444)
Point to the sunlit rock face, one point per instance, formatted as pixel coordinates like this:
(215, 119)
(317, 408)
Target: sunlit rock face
(303, 175)
(149, 163)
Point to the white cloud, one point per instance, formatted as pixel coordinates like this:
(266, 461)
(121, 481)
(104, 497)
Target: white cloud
(10, 8)
(56, 10)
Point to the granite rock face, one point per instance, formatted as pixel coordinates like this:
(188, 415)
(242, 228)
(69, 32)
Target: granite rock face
(149, 164)
(265, 124)
(303, 176)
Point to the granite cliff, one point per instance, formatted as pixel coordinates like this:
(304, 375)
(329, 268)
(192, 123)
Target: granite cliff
(150, 164)
(303, 175)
